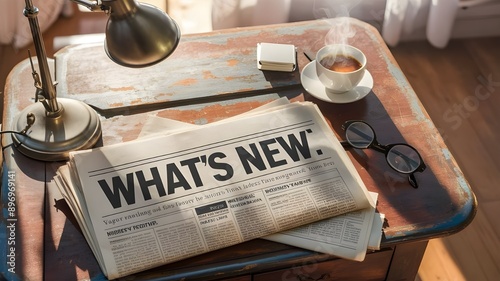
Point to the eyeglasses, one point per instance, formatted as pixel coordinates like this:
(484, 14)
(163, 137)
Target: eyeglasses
(402, 157)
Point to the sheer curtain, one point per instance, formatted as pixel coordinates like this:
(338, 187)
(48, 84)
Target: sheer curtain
(14, 26)
(403, 17)
(398, 19)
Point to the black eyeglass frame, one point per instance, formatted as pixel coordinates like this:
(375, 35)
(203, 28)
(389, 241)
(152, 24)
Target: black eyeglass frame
(386, 149)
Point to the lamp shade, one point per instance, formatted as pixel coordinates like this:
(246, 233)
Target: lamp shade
(139, 35)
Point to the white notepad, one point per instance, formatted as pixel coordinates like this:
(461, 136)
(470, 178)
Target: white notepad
(277, 57)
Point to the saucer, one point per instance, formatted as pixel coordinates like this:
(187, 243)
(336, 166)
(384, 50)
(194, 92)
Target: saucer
(313, 86)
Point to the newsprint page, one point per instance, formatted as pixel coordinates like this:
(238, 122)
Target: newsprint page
(163, 198)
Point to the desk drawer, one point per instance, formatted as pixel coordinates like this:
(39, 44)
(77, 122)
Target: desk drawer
(374, 267)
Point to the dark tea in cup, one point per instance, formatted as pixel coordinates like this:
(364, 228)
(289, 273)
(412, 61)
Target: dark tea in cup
(341, 63)
(340, 67)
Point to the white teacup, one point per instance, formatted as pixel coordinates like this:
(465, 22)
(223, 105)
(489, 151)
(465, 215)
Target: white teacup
(348, 69)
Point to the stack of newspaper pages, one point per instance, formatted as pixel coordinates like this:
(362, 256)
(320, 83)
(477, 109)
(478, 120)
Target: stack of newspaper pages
(277, 172)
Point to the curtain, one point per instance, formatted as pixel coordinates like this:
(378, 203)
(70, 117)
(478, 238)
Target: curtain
(403, 17)
(14, 26)
(398, 19)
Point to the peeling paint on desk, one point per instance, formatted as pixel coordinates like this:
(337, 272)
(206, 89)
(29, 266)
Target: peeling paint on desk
(211, 112)
(462, 182)
(232, 62)
(446, 153)
(452, 225)
(207, 74)
(400, 78)
(186, 82)
(226, 56)
(122, 89)
(116, 104)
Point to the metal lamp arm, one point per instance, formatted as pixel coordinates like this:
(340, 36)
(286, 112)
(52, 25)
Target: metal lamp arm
(47, 88)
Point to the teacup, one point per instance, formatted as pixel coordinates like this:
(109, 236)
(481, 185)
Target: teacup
(340, 67)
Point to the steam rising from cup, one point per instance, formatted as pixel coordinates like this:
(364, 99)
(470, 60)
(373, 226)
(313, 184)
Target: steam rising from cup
(336, 12)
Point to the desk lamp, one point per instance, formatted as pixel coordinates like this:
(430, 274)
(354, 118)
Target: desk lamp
(137, 35)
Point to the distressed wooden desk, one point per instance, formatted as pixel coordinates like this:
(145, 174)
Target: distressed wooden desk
(210, 77)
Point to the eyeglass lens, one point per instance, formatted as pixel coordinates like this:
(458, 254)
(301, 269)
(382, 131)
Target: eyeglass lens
(401, 157)
(360, 135)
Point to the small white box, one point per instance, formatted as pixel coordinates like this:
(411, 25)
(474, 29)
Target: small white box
(276, 57)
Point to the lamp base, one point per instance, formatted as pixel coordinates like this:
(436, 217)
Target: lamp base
(51, 138)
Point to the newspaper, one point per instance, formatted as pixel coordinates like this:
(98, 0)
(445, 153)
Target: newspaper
(161, 199)
(347, 236)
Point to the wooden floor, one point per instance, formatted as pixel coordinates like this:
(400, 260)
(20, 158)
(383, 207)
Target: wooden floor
(460, 88)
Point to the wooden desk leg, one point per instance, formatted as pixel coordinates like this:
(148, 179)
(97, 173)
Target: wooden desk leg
(406, 261)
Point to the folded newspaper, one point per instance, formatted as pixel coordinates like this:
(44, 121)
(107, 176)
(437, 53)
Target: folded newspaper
(167, 197)
(347, 236)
